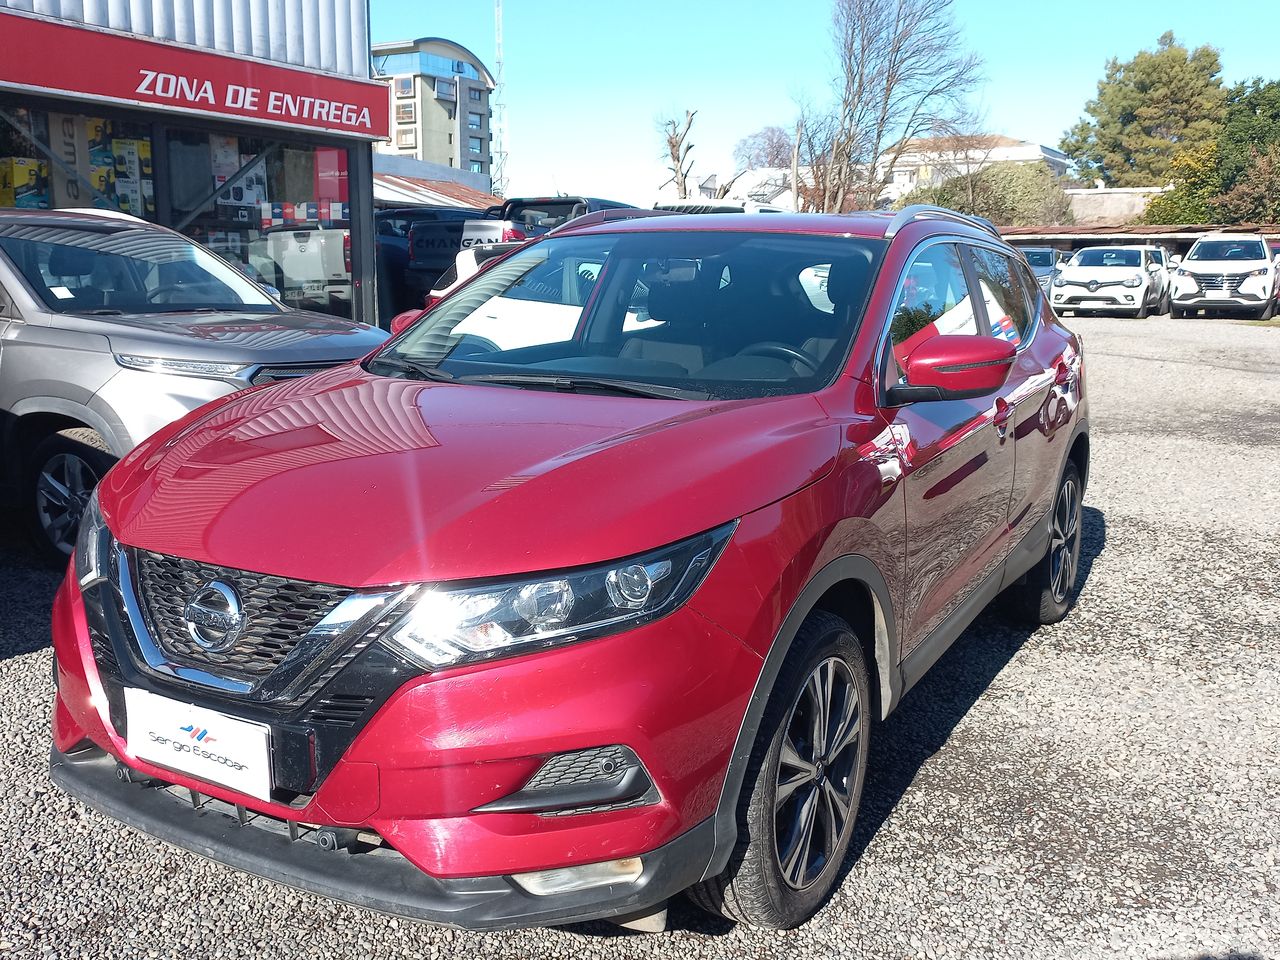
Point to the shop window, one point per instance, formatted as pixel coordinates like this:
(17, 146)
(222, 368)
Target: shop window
(404, 86)
(405, 112)
(277, 209)
(104, 163)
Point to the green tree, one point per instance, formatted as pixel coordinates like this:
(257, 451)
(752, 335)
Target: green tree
(1252, 123)
(1195, 184)
(1006, 193)
(1148, 109)
(1255, 198)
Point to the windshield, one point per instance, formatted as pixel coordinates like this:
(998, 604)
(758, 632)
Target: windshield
(697, 314)
(1228, 250)
(1108, 257)
(1040, 258)
(76, 269)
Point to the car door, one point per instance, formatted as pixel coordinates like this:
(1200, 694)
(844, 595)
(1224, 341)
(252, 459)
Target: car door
(1012, 306)
(957, 454)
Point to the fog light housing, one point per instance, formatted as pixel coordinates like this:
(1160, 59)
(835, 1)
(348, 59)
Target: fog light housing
(1129, 297)
(546, 883)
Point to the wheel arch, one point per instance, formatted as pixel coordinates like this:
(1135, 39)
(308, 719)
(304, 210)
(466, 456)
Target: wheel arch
(35, 418)
(852, 588)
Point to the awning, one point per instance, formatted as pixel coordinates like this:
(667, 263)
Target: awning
(390, 190)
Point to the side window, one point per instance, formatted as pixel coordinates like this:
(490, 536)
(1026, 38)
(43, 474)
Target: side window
(934, 300)
(1008, 310)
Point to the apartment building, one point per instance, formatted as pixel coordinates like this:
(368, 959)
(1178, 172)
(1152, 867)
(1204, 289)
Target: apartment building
(440, 94)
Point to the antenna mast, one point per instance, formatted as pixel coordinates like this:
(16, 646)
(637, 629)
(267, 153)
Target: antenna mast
(498, 151)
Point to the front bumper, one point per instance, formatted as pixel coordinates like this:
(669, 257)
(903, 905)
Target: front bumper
(1112, 300)
(442, 746)
(377, 879)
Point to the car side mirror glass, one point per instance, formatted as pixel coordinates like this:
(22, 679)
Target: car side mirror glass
(954, 367)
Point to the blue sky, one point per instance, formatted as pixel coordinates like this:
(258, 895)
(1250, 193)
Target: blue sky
(587, 83)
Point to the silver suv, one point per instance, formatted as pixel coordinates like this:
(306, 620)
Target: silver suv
(111, 328)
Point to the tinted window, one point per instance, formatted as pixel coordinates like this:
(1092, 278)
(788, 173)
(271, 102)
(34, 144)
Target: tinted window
(1040, 258)
(934, 300)
(1008, 312)
(727, 315)
(1108, 257)
(1228, 250)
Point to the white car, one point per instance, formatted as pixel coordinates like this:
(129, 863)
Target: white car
(1226, 273)
(1116, 280)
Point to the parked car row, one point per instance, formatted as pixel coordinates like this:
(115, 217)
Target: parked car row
(1224, 274)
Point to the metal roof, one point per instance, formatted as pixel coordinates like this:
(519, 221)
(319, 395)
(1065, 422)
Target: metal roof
(390, 190)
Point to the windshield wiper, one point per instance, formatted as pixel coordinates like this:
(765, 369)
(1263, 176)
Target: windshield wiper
(574, 384)
(104, 312)
(418, 371)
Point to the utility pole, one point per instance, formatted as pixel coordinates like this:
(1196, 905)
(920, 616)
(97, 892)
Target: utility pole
(498, 122)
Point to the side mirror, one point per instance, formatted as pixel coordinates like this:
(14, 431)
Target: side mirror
(403, 320)
(954, 367)
(1155, 266)
(1175, 262)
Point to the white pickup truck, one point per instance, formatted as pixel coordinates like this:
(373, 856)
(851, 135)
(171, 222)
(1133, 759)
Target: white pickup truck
(527, 217)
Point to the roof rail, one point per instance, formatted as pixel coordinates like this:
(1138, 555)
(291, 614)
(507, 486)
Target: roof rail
(608, 216)
(926, 211)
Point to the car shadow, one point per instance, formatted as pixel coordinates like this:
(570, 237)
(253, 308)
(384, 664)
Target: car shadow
(27, 587)
(920, 726)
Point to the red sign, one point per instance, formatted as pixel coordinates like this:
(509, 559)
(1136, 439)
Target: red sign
(59, 58)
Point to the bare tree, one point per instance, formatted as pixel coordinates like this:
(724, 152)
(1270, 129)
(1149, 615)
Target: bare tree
(767, 147)
(959, 153)
(904, 72)
(678, 149)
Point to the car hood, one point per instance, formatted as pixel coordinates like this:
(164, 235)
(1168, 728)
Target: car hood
(294, 336)
(357, 480)
(1101, 274)
(1224, 266)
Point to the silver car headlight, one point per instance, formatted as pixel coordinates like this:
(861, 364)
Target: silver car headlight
(185, 368)
(1059, 282)
(93, 544)
(448, 626)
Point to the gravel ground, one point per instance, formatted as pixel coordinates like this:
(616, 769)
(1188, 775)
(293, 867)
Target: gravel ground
(1102, 788)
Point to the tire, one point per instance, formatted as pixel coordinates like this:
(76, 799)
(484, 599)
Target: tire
(1048, 591)
(1166, 305)
(61, 472)
(1144, 310)
(755, 888)
(1268, 311)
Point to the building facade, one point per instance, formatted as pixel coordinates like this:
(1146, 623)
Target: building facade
(440, 94)
(245, 124)
(928, 161)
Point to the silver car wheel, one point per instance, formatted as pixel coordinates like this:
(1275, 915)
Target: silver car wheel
(63, 488)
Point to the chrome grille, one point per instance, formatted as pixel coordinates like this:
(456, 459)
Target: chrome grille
(279, 612)
(271, 374)
(1220, 281)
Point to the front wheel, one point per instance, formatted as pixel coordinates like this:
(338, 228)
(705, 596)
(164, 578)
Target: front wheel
(61, 473)
(804, 781)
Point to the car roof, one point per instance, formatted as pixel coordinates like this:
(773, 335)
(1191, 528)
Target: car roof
(14, 216)
(1230, 236)
(870, 225)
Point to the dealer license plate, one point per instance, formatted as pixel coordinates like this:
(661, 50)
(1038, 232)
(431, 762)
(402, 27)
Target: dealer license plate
(204, 743)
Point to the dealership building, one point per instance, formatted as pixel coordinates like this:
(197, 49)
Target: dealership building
(245, 124)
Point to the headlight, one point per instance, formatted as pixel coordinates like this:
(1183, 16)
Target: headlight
(93, 542)
(1261, 272)
(1059, 282)
(449, 626)
(1134, 281)
(188, 368)
(1183, 273)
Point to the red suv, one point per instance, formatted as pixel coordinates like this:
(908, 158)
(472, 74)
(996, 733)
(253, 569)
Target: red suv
(590, 587)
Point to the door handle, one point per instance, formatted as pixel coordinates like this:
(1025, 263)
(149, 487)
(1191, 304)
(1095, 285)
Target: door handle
(1000, 419)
